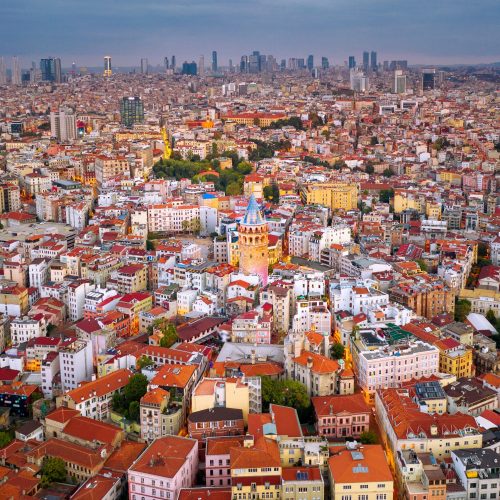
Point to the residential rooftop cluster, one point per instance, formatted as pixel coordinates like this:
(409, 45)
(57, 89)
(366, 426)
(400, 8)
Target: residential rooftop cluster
(281, 282)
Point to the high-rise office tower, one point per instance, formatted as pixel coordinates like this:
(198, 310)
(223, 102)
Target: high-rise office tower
(172, 63)
(166, 63)
(310, 62)
(254, 63)
(373, 60)
(428, 79)
(201, 66)
(366, 60)
(231, 67)
(16, 71)
(214, 61)
(189, 68)
(399, 86)
(144, 65)
(301, 63)
(131, 111)
(3, 72)
(352, 62)
(51, 69)
(63, 125)
(325, 64)
(244, 64)
(359, 82)
(283, 64)
(108, 71)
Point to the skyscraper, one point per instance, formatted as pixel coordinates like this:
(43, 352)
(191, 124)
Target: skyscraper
(201, 66)
(366, 60)
(214, 61)
(428, 79)
(189, 68)
(144, 66)
(131, 111)
(172, 63)
(63, 125)
(399, 86)
(310, 62)
(50, 68)
(3, 72)
(373, 60)
(166, 63)
(244, 64)
(352, 62)
(253, 242)
(107, 66)
(16, 71)
(325, 64)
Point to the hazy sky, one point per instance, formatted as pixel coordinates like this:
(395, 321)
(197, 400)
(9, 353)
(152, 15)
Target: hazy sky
(422, 31)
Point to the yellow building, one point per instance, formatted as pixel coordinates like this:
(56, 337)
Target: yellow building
(454, 358)
(256, 470)
(362, 473)
(212, 392)
(335, 195)
(260, 119)
(407, 200)
(433, 210)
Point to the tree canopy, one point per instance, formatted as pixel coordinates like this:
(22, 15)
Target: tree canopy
(5, 438)
(286, 393)
(462, 309)
(337, 351)
(368, 437)
(53, 470)
(132, 393)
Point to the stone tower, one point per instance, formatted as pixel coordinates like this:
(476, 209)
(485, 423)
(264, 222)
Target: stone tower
(253, 242)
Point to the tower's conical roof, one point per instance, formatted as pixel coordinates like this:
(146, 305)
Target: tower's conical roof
(253, 216)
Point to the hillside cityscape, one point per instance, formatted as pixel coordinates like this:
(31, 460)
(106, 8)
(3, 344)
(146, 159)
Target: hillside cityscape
(250, 279)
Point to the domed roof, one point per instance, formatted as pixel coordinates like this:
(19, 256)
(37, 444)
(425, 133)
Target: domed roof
(253, 216)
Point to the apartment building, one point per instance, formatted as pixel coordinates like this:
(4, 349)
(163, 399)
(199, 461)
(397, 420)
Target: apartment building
(76, 363)
(93, 399)
(167, 465)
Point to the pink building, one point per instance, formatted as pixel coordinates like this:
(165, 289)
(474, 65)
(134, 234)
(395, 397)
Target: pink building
(217, 459)
(167, 465)
(341, 416)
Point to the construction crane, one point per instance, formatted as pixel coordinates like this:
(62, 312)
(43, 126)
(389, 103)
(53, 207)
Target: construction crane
(167, 150)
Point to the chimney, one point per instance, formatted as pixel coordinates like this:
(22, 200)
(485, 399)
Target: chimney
(309, 362)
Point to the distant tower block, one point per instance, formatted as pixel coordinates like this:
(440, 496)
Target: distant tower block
(107, 66)
(253, 242)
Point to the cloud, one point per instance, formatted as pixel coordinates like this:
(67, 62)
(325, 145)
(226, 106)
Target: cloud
(423, 31)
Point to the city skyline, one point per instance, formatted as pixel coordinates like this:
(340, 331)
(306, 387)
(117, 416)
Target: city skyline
(427, 33)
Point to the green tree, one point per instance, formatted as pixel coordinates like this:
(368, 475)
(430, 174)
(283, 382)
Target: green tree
(144, 362)
(149, 245)
(462, 309)
(53, 470)
(169, 337)
(490, 316)
(482, 249)
(337, 351)
(374, 140)
(422, 264)
(233, 189)
(369, 169)
(368, 437)
(133, 411)
(5, 438)
(286, 393)
(136, 388)
(386, 195)
(387, 172)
